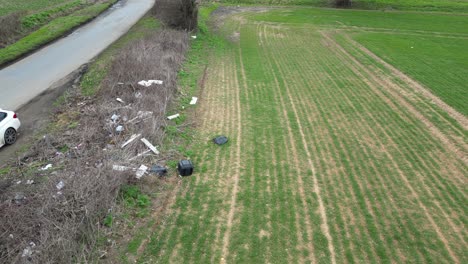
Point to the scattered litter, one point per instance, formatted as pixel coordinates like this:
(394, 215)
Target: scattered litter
(60, 185)
(19, 198)
(173, 116)
(120, 83)
(142, 115)
(18, 182)
(150, 82)
(150, 146)
(11, 236)
(160, 170)
(29, 182)
(32, 244)
(120, 100)
(119, 129)
(220, 140)
(134, 136)
(59, 193)
(81, 104)
(27, 252)
(120, 168)
(194, 37)
(138, 95)
(141, 154)
(194, 100)
(185, 167)
(115, 117)
(48, 166)
(141, 171)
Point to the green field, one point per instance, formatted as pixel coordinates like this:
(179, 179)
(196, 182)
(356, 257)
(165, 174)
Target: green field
(421, 5)
(10, 6)
(344, 145)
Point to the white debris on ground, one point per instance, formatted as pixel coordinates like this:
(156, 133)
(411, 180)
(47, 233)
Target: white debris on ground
(115, 117)
(134, 136)
(150, 82)
(48, 166)
(60, 185)
(119, 129)
(150, 146)
(194, 100)
(173, 116)
(120, 168)
(194, 37)
(120, 100)
(141, 171)
(29, 182)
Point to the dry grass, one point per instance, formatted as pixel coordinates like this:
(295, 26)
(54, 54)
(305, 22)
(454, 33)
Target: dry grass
(10, 27)
(62, 226)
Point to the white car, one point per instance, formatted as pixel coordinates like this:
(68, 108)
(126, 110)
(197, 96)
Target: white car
(9, 125)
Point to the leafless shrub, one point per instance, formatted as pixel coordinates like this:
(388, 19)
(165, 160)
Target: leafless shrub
(341, 3)
(61, 225)
(179, 14)
(10, 25)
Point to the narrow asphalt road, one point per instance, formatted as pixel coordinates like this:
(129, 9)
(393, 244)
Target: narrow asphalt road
(26, 79)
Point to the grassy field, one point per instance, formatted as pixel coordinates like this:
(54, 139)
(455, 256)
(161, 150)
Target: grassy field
(9, 6)
(422, 5)
(335, 155)
(51, 28)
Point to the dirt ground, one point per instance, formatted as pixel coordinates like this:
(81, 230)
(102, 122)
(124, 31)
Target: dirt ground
(35, 115)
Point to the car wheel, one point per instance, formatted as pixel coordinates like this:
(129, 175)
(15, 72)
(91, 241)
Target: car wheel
(10, 136)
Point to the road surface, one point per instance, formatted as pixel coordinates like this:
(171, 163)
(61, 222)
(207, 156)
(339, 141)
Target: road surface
(29, 77)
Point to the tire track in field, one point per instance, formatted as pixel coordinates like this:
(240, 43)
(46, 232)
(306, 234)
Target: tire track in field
(316, 187)
(309, 245)
(459, 176)
(237, 164)
(309, 106)
(431, 127)
(459, 117)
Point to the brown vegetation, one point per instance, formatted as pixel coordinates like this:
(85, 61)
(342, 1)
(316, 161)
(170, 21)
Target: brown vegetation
(180, 14)
(10, 27)
(41, 223)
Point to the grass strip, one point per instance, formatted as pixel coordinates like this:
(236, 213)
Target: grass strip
(50, 32)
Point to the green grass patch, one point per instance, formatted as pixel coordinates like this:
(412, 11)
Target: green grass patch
(440, 64)
(53, 30)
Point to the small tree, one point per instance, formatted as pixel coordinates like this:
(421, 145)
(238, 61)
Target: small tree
(180, 14)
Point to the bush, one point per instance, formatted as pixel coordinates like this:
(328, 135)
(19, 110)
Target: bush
(178, 14)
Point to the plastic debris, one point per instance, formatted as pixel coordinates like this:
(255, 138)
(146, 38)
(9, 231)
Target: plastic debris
(11, 236)
(134, 136)
(150, 146)
(29, 182)
(119, 129)
(120, 100)
(138, 95)
(194, 37)
(141, 154)
(220, 140)
(150, 82)
(18, 182)
(60, 185)
(48, 166)
(185, 168)
(160, 170)
(115, 117)
(141, 171)
(120, 168)
(194, 100)
(173, 116)
(27, 252)
(19, 198)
